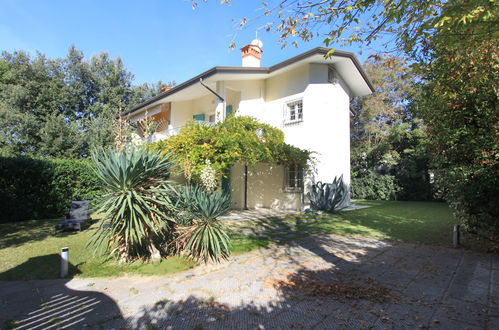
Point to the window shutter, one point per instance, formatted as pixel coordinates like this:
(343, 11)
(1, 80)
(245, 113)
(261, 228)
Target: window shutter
(199, 117)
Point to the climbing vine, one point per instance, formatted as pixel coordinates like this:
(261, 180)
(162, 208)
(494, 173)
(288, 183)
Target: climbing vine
(235, 140)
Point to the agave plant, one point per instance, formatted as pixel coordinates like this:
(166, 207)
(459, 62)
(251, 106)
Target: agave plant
(136, 204)
(327, 196)
(203, 236)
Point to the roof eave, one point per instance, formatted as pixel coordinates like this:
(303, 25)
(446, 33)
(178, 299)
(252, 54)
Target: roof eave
(225, 69)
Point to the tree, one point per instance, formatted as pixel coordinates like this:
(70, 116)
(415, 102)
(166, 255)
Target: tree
(148, 90)
(459, 105)
(387, 139)
(375, 114)
(408, 23)
(63, 107)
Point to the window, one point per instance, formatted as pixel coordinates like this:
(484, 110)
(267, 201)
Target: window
(199, 117)
(294, 179)
(293, 112)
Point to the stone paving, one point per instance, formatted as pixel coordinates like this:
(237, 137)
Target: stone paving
(261, 213)
(265, 213)
(431, 287)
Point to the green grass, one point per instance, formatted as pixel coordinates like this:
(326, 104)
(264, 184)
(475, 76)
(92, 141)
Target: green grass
(414, 222)
(30, 250)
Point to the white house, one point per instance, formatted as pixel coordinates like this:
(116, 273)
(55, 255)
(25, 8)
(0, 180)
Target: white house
(307, 96)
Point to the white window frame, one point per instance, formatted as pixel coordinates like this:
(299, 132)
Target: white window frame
(292, 109)
(293, 178)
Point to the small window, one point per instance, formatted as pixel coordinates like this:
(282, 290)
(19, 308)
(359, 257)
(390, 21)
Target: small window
(199, 117)
(294, 179)
(293, 112)
(211, 118)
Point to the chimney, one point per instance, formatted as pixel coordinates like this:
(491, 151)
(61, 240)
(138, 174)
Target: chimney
(252, 54)
(165, 89)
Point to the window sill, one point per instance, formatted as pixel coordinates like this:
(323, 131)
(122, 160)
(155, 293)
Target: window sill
(293, 123)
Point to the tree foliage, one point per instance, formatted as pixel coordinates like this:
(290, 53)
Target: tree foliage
(408, 23)
(62, 107)
(388, 139)
(459, 102)
(237, 139)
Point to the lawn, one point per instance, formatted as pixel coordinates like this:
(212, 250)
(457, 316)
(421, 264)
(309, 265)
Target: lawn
(413, 222)
(30, 250)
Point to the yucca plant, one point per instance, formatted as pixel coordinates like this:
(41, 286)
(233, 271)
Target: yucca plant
(327, 196)
(202, 236)
(137, 204)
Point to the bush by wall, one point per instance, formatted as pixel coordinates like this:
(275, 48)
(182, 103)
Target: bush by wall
(43, 188)
(375, 187)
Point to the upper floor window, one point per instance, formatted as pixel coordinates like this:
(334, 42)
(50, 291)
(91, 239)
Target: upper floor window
(293, 112)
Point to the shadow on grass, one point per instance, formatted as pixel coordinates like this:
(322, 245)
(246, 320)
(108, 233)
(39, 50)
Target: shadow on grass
(414, 222)
(43, 267)
(14, 234)
(51, 304)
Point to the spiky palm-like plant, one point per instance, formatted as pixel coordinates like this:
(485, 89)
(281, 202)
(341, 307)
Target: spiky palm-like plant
(136, 203)
(203, 236)
(327, 196)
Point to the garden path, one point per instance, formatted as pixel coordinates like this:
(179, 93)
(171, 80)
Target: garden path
(350, 283)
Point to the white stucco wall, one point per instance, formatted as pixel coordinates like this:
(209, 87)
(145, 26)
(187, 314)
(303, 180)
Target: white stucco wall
(325, 128)
(182, 112)
(265, 188)
(251, 94)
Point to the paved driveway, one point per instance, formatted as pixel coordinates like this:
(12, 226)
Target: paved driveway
(321, 282)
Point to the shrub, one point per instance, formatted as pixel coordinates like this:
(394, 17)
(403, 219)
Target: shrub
(43, 188)
(136, 203)
(327, 196)
(375, 187)
(202, 236)
(472, 195)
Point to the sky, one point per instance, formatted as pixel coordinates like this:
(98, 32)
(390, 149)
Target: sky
(157, 39)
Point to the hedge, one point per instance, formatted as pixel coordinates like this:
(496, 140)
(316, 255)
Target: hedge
(375, 187)
(43, 188)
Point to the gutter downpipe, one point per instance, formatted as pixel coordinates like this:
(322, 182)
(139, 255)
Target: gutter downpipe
(212, 91)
